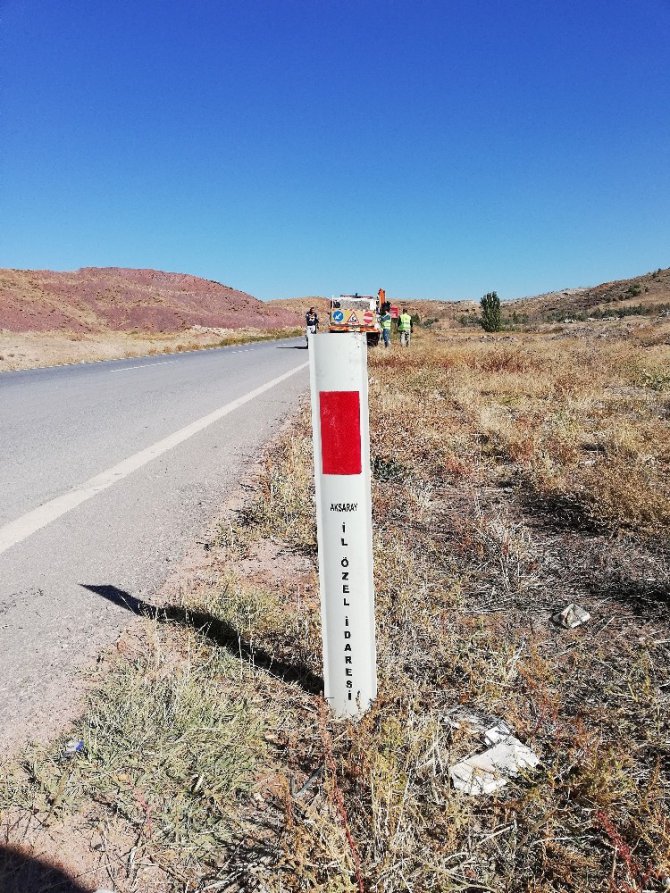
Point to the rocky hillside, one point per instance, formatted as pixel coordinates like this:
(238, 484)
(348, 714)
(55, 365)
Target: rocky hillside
(112, 299)
(649, 291)
(302, 305)
(647, 294)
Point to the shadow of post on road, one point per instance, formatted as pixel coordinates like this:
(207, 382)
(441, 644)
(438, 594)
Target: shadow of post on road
(22, 873)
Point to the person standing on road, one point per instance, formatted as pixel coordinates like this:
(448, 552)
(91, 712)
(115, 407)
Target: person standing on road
(311, 323)
(385, 321)
(405, 328)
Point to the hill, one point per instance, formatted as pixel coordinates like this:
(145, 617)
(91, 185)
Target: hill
(301, 305)
(111, 299)
(621, 297)
(644, 294)
(649, 291)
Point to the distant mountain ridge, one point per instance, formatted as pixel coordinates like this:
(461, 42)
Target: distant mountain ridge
(99, 299)
(648, 289)
(114, 299)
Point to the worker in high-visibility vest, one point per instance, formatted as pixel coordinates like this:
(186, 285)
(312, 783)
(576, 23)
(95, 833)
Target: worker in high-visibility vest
(405, 328)
(385, 321)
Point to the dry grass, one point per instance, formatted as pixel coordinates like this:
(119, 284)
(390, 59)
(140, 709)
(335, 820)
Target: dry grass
(511, 476)
(580, 421)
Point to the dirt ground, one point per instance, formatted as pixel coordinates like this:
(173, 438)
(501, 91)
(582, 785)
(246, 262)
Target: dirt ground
(28, 350)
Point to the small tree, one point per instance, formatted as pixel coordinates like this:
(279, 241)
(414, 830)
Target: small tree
(491, 315)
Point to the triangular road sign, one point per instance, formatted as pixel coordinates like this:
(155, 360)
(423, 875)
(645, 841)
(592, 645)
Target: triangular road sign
(353, 320)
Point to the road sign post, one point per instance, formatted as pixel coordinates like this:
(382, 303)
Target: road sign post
(339, 386)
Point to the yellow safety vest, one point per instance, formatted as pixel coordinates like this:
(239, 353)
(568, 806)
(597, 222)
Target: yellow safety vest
(386, 321)
(405, 324)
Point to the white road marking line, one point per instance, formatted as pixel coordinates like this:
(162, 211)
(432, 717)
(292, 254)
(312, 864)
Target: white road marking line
(31, 522)
(143, 366)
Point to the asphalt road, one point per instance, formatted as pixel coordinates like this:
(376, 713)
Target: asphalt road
(108, 471)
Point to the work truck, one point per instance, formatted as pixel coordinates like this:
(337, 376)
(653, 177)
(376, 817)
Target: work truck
(356, 313)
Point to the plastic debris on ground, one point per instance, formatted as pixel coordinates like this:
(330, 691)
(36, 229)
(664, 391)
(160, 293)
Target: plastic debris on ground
(571, 616)
(500, 732)
(486, 772)
(477, 724)
(73, 747)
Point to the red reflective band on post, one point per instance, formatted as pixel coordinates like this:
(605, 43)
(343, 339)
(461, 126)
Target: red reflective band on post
(340, 432)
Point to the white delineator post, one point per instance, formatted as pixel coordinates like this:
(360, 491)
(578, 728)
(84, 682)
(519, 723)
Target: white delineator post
(339, 385)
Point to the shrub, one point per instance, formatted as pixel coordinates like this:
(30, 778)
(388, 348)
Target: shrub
(517, 319)
(466, 320)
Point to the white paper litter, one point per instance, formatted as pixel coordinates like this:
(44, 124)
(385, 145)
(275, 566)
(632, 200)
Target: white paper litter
(486, 772)
(571, 616)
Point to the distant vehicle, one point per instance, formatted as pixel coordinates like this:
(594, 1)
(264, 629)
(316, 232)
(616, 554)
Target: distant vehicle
(356, 313)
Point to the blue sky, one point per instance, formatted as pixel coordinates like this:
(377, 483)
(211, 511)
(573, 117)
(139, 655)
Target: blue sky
(286, 147)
